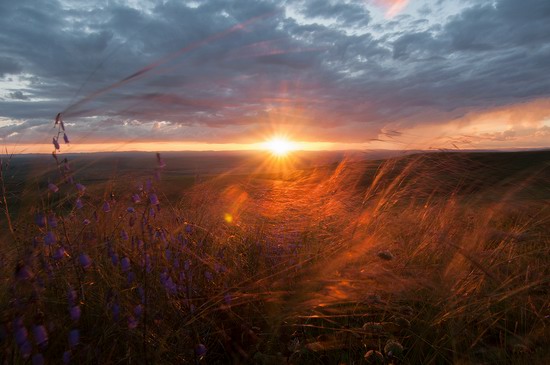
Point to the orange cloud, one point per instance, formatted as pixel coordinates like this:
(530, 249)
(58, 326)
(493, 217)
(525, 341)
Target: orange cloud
(392, 7)
(520, 115)
(521, 125)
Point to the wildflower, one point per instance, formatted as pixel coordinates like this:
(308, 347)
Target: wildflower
(65, 138)
(52, 220)
(49, 239)
(86, 221)
(136, 199)
(116, 311)
(38, 359)
(208, 275)
(21, 335)
(40, 220)
(200, 350)
(124, 235)
(141, 294)
(75, 313)
(106, 206)
(55, 143)
(81, 188)
(154, 199)
(85, 261)
(114, 259)
(53, 188)
(148, 185)
(130, 210)
(59, 253)
(66, 357)
(171, 287)
(138, 310)
(79, 204)
(131, 277)
(227, 298)
(125, 264)
(163, 277)
(40, 335)
(74, 338)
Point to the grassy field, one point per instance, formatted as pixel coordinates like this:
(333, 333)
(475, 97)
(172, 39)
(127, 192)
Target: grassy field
(429, 258)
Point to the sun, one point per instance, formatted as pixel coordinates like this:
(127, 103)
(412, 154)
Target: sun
(279, 146)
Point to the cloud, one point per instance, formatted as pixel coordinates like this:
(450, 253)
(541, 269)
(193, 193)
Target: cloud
(9, 66)
(347, 13)
(393, 7)
(226, 72)
(18, 95)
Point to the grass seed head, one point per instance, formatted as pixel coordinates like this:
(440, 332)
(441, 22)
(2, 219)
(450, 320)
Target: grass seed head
(373, 357)
(393, 349)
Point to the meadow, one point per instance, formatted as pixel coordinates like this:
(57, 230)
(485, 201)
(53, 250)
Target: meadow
(418, 258)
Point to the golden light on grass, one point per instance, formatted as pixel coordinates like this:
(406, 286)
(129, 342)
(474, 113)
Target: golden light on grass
(279, 146)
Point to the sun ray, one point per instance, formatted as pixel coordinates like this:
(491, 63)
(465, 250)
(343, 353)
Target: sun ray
(279, 146)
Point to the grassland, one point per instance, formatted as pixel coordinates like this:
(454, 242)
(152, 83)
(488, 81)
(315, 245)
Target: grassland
(438, 258)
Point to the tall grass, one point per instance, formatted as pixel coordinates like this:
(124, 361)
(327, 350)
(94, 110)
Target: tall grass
(413, 260)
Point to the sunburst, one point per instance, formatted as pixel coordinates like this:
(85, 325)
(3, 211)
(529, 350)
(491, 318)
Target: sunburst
(279, 146)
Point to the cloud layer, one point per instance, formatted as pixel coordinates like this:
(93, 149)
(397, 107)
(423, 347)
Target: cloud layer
(232, 72)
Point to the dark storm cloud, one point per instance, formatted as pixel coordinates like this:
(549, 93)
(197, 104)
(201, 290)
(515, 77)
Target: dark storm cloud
(8, 66)
(218, 71)
(18, 95)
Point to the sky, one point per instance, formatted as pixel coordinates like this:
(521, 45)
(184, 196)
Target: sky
(217, 75)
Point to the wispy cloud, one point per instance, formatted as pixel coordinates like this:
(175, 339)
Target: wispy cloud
(392, 7)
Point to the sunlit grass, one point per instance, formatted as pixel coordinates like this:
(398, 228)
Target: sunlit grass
(413, 260)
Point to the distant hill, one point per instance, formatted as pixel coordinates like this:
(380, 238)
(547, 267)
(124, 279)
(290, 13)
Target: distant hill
(492, 173)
